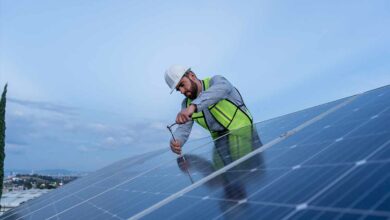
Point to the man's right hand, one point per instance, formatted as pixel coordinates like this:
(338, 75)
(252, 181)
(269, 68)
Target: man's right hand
(176, 147)
(185, 115)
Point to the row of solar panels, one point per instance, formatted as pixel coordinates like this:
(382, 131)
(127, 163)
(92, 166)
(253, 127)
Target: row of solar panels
(328, 162)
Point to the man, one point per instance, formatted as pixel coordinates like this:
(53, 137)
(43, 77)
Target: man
(212, 102)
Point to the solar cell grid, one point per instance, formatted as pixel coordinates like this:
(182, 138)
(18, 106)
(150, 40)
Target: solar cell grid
(337, 167)
(331, 165)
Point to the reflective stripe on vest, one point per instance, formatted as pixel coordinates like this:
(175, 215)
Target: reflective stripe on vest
(225, 112)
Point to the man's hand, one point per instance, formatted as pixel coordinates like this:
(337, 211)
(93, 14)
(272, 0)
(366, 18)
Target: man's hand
(176, 147)
(185, 114)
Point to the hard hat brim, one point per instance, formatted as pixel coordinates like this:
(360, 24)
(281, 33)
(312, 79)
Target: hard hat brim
(174, 88)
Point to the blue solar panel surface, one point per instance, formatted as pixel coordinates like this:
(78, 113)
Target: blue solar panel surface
(336, 167)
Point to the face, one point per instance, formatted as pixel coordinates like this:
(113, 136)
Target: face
(187, 87)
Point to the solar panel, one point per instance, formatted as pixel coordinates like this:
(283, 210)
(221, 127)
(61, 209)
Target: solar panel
(336, 168)
(329, 161)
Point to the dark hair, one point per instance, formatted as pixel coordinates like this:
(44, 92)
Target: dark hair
(188, 72)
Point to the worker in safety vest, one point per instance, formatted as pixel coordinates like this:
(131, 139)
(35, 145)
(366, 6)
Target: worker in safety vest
(214, 103)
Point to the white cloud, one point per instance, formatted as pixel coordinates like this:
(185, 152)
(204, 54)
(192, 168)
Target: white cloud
(70, 126)
(114, 143)
(14, 148)
(158, 126)
(85, 149)
(17, 113)
(19, 85)
(126, 140)
(97, 127)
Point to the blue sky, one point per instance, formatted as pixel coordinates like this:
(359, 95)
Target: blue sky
(86, 83)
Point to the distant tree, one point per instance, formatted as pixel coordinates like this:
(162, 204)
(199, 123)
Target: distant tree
(27, 185)
(2, 136)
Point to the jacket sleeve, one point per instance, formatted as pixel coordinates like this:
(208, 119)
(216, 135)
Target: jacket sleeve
(219, 89)
(183, 131)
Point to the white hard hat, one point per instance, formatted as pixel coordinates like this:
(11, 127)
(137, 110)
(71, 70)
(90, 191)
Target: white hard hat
(173, 75)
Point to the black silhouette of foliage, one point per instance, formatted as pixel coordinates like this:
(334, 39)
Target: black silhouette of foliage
(2, 136)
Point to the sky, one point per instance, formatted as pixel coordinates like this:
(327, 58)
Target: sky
(86, 78)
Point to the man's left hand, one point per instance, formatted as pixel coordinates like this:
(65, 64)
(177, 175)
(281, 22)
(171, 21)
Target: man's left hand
(185, 114)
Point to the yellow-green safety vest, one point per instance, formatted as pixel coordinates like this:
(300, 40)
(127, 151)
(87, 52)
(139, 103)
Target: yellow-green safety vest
(225, 112)
(234, 146)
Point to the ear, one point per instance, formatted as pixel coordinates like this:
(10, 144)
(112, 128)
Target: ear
(192, 76)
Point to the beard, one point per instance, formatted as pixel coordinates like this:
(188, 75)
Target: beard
(193, 93)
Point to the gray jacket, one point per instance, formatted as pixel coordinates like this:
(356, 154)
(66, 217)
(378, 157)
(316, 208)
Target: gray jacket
(219, 88)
